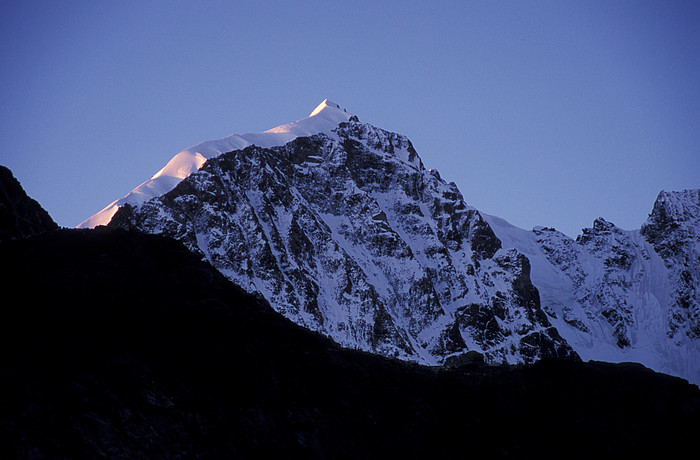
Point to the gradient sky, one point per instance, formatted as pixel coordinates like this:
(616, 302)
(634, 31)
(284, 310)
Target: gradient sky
(544, 113)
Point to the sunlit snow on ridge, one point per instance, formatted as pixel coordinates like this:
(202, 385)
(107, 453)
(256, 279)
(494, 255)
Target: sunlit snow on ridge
(324, 119)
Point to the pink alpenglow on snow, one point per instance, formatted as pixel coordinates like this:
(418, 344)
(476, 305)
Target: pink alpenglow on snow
(324, 119)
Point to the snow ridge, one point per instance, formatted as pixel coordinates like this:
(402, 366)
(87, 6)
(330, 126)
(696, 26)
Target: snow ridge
(323, 119)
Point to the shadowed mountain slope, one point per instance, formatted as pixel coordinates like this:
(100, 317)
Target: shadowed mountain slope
(20, 215)
(115, 344)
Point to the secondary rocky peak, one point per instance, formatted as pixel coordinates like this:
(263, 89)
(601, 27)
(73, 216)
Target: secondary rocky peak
(673, 222)
(673, 228)
(674, 207)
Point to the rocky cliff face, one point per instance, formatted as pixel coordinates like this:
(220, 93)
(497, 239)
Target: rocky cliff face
(20, 215)
(338, 224)
(123, 345)
(348, 234)
(673, 228)
(622, 295)
(598, 265)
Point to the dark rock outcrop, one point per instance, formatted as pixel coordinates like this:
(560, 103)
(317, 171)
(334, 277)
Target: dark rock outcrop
(20, 215)
(120, 345)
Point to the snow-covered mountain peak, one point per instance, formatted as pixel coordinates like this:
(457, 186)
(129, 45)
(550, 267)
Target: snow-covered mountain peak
(683, 205)
(340, 226)
(673, 230)
(348, 234)
(623, 295)
(324, 119)
(326, 104)
(672, 224)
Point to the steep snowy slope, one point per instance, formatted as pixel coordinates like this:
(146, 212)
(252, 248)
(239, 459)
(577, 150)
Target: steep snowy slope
(620, 295)
(350, 235)
(673, 228)
(324, 118)
(338, 224)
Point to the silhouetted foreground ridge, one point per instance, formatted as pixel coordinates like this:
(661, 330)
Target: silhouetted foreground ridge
(116, 344)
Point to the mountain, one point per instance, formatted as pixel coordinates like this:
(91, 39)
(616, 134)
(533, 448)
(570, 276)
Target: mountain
(346, 233)
(20, 215)
(324, 118)
(126, 345)
(620, 295)
(340, 226)
(673, 228)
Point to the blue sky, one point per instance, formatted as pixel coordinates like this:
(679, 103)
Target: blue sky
(544, 113)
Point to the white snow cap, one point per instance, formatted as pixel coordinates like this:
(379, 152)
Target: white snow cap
(324, 119)
(323, 105)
